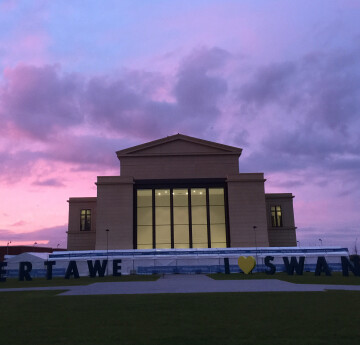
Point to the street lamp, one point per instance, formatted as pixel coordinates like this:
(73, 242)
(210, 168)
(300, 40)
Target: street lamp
(7, 248)
(107, 251)
(298, 242)
(320, 240)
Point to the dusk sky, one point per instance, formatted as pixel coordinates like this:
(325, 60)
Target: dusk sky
(82, 79)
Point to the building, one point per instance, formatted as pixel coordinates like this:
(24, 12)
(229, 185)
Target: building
(16, 250)
(181, 192)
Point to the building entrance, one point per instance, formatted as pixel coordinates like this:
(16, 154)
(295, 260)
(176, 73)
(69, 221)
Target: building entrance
(192, 217)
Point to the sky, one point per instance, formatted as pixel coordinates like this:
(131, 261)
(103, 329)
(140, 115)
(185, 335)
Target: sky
(81, 80)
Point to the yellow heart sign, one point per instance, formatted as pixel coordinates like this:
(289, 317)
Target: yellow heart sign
(246, 264)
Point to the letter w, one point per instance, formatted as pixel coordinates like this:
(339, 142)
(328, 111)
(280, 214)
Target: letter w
(97, 268)
(298, 266)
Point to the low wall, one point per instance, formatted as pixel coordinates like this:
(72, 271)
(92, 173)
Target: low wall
(181, 261)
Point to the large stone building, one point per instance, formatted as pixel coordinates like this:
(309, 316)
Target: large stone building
(181, 192)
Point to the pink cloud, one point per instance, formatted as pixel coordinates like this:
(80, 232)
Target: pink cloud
(296, 121)
(49, 236)
(19, 223)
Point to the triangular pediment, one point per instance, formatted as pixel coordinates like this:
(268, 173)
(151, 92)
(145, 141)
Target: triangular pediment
(179, 144)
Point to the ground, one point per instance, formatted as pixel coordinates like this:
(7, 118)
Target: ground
(35, 317)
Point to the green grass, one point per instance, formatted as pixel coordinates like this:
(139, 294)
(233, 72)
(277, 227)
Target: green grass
(163, 319)
(37, 282)
(307, 278)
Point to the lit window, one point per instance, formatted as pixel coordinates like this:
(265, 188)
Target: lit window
(180, 218)
(276, 216)
(85, 220)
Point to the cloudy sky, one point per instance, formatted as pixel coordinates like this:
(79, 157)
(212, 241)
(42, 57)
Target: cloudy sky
(80, 80)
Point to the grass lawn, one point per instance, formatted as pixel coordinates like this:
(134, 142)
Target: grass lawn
(15, 283)
(171, 319)
(307, 278)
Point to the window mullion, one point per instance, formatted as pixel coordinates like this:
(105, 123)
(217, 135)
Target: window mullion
(153, 218)
(190, 219)
(208, 217)
(172, 217)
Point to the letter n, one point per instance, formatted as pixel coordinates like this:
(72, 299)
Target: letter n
(346, 265)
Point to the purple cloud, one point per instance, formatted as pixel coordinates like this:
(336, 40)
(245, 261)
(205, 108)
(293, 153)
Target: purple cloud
(39, 101)
(53, 235)
(51, 182)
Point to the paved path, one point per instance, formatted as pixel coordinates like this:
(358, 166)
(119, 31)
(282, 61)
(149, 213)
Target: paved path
(187, 284)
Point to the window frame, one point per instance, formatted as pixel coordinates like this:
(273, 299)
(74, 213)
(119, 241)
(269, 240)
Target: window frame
(274, 220)
(87, 218)
(181, 184)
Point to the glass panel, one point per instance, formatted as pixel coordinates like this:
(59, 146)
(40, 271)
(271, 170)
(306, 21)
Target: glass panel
(162, 197)
(163, 246)
(162, 215)
(218, 245)
(144, 197)
(144, 236)
(216, 196)
(162, 218)
(82, 223)
(218, 233)
(198, 196)
(217, 215)
(279, 217)
(181, 236)
(198, 215)
(144, 246)
(180, 197)
(181, 218)
(200, 238)
(181, 215)
(144, 216)
(144, 219)
(163, 236)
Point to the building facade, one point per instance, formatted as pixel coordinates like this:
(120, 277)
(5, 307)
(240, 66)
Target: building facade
(181, 192)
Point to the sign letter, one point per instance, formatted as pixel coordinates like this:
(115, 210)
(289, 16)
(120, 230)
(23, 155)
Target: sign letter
(116, 268)
(49, 265)
(272, 267)
(72, 270)
(322, 266)
(24, 270)
(2, 271)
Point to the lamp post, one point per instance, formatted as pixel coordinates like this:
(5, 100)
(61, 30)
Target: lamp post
(7, 248)
(256, 255)
(298, 242)
(320, 240)
(107, 251)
